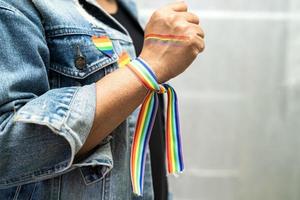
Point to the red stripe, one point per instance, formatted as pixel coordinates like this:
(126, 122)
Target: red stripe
(170, 168)
(101, 39)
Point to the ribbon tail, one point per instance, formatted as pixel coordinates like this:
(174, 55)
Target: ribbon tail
(141, 138)
(173, 136)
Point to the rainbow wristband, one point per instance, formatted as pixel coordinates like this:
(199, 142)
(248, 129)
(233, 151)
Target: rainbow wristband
(145, 123)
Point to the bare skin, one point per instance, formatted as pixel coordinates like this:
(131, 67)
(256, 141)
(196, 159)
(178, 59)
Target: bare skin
(120, 93)
(110, 6)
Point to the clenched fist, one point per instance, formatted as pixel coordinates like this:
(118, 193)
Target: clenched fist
(173, 39)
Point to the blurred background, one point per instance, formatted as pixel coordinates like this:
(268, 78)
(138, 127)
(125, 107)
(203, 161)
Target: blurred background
(240, 102)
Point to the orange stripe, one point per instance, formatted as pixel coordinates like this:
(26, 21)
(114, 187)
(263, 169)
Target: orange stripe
(99, 40)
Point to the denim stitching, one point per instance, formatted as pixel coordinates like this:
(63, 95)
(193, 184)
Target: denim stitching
(17, 192)
(31, 196)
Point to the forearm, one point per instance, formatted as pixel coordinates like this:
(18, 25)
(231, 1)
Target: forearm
(118, 95)
(121, 92)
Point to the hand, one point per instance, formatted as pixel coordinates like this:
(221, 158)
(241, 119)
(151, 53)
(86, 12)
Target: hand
(173, 39)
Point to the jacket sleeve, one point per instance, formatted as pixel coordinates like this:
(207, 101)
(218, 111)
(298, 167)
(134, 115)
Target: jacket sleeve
(40, 129)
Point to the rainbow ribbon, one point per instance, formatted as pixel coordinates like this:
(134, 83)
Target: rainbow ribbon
(170, 39)
(145, 123)
(103, 44)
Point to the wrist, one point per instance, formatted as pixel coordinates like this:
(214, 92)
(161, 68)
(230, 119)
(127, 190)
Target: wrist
(145, 74)
(156, 66)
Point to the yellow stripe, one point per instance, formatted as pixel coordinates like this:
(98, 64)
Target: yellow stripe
(103, 44)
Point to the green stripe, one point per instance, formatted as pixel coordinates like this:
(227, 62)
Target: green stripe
(108, 48)
(147, 76)
(174, 130)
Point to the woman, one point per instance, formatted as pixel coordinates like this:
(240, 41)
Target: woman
(69, 136)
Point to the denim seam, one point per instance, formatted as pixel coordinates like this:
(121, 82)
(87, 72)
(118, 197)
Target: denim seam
(17, 192)
(103, 189)
(92, 68)
(108, 165)
(10, 182)
(7, 9)
(6, 6)
(106, 160)
(107, 183)
(31, 196)
(59, 186)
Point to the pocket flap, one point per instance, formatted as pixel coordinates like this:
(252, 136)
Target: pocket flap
(73, 53)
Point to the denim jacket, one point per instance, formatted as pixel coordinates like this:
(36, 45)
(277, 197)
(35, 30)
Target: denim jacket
(48, 69)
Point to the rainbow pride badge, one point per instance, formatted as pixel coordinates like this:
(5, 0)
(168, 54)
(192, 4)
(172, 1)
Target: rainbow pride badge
(103, 44)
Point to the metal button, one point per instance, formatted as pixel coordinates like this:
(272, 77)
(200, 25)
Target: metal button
(80, 62)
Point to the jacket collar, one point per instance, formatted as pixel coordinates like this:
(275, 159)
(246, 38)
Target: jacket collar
(129, 5)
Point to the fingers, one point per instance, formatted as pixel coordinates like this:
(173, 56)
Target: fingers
(198, 38)
(179, 6)
(190, 17)
(182, 8)
(199, 31)
(199, 44)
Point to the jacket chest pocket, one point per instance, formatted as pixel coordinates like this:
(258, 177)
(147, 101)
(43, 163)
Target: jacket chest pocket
(74, 57)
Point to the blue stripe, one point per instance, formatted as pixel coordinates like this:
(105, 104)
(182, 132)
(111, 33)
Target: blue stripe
(148, 68)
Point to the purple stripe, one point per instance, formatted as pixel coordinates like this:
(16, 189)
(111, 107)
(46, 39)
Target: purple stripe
(178, 135)
(147, 68)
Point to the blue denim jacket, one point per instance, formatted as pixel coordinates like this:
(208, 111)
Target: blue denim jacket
(49, 67)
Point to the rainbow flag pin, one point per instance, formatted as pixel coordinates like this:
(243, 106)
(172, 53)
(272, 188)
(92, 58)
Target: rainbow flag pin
(103, 44)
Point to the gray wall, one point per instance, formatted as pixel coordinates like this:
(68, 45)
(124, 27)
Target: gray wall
(240, 102)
